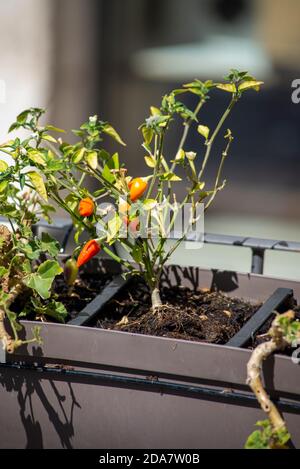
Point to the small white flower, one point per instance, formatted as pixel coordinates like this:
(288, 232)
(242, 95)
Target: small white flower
(93, 119)
(34, 135)
(23, 151)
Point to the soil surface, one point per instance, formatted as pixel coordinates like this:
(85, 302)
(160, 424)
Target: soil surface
(84, 290)
(190, 315)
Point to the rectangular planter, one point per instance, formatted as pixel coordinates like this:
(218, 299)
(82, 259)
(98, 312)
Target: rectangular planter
(94, 388)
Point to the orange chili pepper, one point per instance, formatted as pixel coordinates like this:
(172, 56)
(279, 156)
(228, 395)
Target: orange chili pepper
(86, 207)
(89, 250)
(137, 187)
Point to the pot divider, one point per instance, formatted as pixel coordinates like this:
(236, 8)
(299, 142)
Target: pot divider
(281, 300)
(93, 308)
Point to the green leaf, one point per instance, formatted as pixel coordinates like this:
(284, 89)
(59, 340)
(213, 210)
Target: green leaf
(113, 227)
(3, 271)
(78, 155)
(13, 321)
(267, 438)
(155, 111)
(147, 134)
(246, 85)
(13, 127)
(149, 204)
(170, 177)
(22, 117)
(229, 87)
(32, 249)
(137, 254)
(38, 184)
(53, 309)
(112, 163)
(203, 130)
(150, 161)
(56, 310)
(3, 166)
(54, 129)
(22, 181)
(49, 244)
(49, 138)
(104, 155)
(109, 130)
(36, 157)
(72, 201)
(91, 158)
(115, 161)
(41, 281)
(3, 186)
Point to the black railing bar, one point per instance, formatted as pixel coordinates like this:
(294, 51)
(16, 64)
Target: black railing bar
(244, 241)
(154, 384)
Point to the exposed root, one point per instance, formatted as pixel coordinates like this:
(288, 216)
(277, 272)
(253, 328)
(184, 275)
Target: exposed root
(156, 300)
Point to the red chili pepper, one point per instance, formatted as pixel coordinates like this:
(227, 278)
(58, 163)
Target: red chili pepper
(137, 187)
(89, 250)
(86, 207)
(134, 225)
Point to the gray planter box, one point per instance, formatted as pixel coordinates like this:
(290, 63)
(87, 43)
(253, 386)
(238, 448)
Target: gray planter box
(93, 388)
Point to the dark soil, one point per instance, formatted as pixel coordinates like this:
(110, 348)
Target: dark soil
(84, 290)
(190, 315)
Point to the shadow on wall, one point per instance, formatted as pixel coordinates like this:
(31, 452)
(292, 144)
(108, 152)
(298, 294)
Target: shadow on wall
(31, 391)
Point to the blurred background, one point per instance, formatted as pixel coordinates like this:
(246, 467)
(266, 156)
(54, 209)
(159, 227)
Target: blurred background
(116, 58)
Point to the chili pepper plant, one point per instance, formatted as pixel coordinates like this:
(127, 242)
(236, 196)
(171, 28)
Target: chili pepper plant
(137, 211)
(147, 205)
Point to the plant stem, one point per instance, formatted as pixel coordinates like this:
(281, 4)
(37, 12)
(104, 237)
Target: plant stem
(155, 299)
(157, 164)
(214, 135)
(187, 124)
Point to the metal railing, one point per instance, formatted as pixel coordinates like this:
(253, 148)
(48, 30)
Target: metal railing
(258, 246)
(63, 228)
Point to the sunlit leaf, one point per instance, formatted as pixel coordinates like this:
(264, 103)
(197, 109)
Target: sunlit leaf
(49, 138)
(113, 227)
(78, 155)
(150, 161)
(229, 87)
(38, 184)
(36, 157)
(3, 166)
(92, 159)
(155, 111)
(170, 177)
(109, 130)
(42, 280)
(250, 84)
(147, 134)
